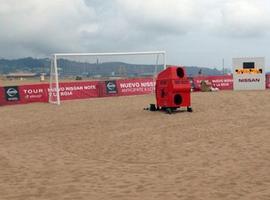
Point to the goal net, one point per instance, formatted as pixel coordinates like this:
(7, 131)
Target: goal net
(75, 67)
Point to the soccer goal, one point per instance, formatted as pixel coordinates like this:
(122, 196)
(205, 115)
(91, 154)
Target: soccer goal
(67, 67)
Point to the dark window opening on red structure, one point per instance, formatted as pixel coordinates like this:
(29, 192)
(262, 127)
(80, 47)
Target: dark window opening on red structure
(180, 72)
(178, 99)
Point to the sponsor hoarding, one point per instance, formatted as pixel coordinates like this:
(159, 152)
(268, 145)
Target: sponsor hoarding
(221, 82)
(78, 90)
(2, 96)
(268, 81)
(40, 92)
(34, 93)
(92, 89)
(136, 86)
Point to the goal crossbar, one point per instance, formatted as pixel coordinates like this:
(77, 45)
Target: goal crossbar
(110, 54)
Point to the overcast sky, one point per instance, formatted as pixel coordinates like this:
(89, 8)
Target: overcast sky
(193, 32)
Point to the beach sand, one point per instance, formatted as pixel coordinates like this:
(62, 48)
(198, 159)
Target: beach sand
(110, 148)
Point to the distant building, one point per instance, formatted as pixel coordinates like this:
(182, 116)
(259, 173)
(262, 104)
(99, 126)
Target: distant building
(21, 75)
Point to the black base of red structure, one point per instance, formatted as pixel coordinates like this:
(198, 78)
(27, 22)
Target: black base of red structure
(168, 110)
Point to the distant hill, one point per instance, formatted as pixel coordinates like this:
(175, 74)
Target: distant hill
(67, 67)
(24, 65)
(193, 70)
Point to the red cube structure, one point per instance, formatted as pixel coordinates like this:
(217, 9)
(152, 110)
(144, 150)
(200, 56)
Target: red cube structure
(173, 89)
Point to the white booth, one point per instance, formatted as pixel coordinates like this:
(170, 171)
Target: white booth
(249, 73)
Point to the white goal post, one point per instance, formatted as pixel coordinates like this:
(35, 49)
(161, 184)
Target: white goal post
(54, 90)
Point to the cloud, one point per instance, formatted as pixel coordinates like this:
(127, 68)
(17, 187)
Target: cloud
(245, 18)
(231, 17)
(39, 28)
(160, 16)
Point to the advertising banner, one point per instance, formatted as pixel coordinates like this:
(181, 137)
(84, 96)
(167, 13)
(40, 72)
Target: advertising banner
(9, 95)
(221, 82)
(40, 92)
(78, 90)
(136, 86)
(34, 93)
(268, 81)
(93, 89)
(2, 96)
